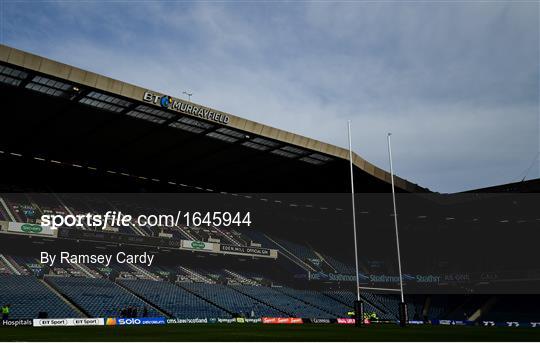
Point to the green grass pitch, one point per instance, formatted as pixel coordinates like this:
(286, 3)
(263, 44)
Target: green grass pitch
(261, 332)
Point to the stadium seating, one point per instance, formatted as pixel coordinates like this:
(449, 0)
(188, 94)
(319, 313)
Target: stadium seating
(28, 208)
(225, 276)
(293, 268)
(319, 300)
(283, 302)
(128, 271)
(174, 300)
(388, 304)
(234, 277)
(213, 291)
(348, 298)
(231, 300)
(340, 266)
(439, 305)
(300, 251)
(20, 208)
(21, 263)
(4, 268)
(98, 297)
(216, 292)
(469, 304)
(257, 277)
(28, 296)
(504, 308)
(415, 306)
(259, 237)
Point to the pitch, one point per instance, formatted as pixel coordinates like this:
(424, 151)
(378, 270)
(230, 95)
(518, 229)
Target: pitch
(260, 332)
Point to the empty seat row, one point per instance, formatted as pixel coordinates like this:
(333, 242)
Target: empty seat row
(173, 299)
(98, 297)
(235, 302)
(29, 296)
(283, 302)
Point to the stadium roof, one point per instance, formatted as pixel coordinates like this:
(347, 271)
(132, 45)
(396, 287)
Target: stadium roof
(65, 115)
(524, 186)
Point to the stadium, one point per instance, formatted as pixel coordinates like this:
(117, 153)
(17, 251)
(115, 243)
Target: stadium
(75, 143)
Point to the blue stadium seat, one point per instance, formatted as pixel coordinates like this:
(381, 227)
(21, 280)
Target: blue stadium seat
(28, 296)
(98, 297)
(173, 299)
(283, 302)
(233, 301)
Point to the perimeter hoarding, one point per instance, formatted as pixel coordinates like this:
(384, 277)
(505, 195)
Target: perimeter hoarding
(31, 229)
(197, 245)
(69, 322)
(244, 250)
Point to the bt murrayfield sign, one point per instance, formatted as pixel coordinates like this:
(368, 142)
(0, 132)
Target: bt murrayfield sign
(169, 103)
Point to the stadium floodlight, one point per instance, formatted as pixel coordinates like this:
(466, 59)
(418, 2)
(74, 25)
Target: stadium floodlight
(402, 305)
(188, 94)
(358, 304)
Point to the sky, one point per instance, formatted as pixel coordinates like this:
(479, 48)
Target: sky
(457, 83)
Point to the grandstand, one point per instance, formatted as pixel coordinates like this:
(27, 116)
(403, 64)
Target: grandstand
(201, 289)
(305, 265)
(174, 300)
(29, 296)
(98, 297)
(250, 157)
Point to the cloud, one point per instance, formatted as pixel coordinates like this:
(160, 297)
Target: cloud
(456, 83)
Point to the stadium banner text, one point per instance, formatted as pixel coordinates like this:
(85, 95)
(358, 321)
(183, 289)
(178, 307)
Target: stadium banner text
(178, 105)
(279, 320)
(31, 229)
(111, 321)
(197, 245)
(136, 321)
(69, 322)
(244, 250)
(16, 322)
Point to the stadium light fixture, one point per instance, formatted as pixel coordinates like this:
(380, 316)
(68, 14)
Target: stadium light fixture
(402, 305)
(188, 94)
